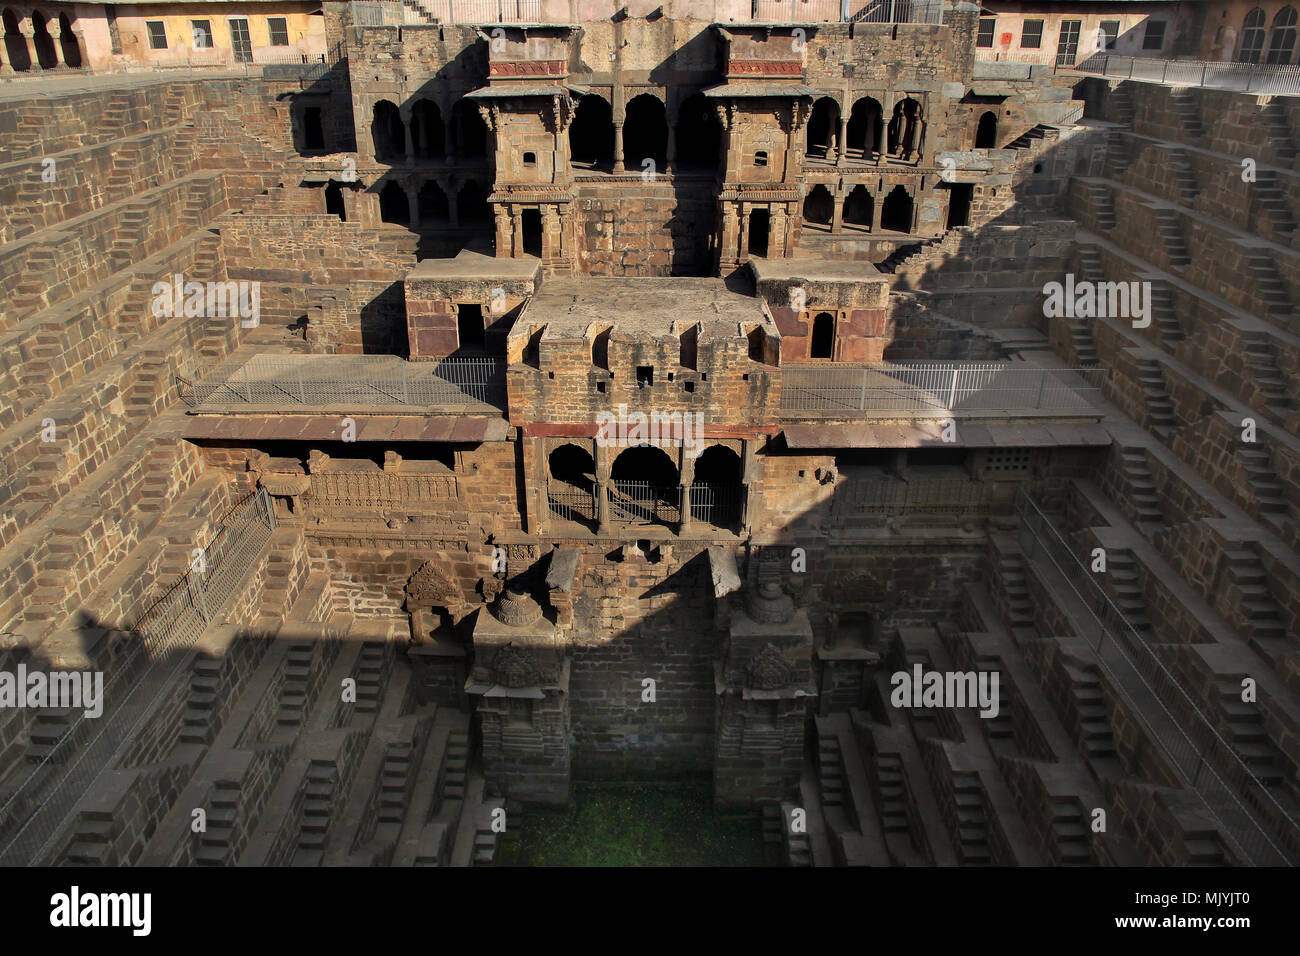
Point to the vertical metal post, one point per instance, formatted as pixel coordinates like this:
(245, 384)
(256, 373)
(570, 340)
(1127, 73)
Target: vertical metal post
(406, 398)
(1042, 382)
(248, 388)
(1204, 67)
(862, 393)
(302, 395)
(952, 392)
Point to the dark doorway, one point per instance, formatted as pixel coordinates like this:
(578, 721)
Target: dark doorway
(426, 130)
(760, 227)
(819, 206)
(645, 134)
(433, 204)
(313, 131)
(388, 133)
(470, 131)
(334, 202)
(469, 325)
(15, 45)
(591, 137)
(823, 337)
(896, 211)
(862, 137)
(531, 223)
(986, 137)
(43, 42)
(959, 199)
(393, 206)
(68, 42)
(858, 207)
(472, 205)
(699, 135)
(716, 488)
(823, 127)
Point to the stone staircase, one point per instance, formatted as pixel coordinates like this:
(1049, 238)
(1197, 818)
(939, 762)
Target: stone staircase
(48, 730)
(1171, 233)
(1274, 202)
(1125, 579)
(197, 722)
(1095, 736)
(298, 668)
(1103, 203)
(1279, 130)
(893, 805)
(1165, 314)
(1261, 477)
(216, 843)
(1117, 154)
(1269, 284)
(1261, 361)
(1246, 732)
(1071, 844)
(1020, 604)
(1188, 113)
(317, 805)
(455, 766)
(830, 770)
(971, 823)
(394, 782)
(1160, 409)
(1121, 98)
(1263, 617)
(1183, 172)
(371, 674)
(1140, 487)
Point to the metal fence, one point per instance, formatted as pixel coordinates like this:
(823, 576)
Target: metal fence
(34, 815)
(641, 501)
(1260, 830)
(934, 388)
(353, 381)
(849, 11)
(1246, 77)
(571, 502)
(716, 503)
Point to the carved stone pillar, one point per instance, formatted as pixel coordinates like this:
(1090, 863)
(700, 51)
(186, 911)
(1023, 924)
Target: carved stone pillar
(618, 148)
(837, 210)
(516, 232)
(29, 34)
(742, 247)
(449, 137)
(877, 201)
(410, 141)
(5, 68)
(671, 162)
(503, 237)
(412, 191)
(55, 30)
(843, 141)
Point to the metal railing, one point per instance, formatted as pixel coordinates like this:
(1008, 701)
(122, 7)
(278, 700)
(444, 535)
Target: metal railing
(1246, 77)
(848, 11)
(269, 381)
(571, 502)
(716, 503)
(641, 501)
(34, 815)
(1260, 830)
(948, 388)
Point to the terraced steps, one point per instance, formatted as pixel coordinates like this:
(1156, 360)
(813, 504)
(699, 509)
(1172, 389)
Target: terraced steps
(1160, 409)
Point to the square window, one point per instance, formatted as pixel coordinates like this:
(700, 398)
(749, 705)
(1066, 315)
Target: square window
(600, 387)
(530, 159)
(689, 387)
(278, 28)
(1031, 36)
(760, 158)
(202, 30)
(984, 38)
(1155, 35)
(645, 376)
(157, 34)
(1109, 33)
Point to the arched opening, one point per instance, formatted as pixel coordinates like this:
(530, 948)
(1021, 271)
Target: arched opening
(1252, 37)
(645, 134)
(862, 137)
(699, 135)
(760, 224)
(1281, 40)
(334, 202)
(393, 206)
(313, 129)
(531, 224)
(896, 211)
(716, 487)
(572, 487)
(471, 131)
(905, 129)
(858, 207)
(823, 128)
(644, 487)
(822, 343)
(591, 135)
(68, 42)
(427, 130)
(43, 42)
(819, 206)
(434, 208)
(15, 45)
(986, 136)
(472, 205)
(388, 133)
(600, 350)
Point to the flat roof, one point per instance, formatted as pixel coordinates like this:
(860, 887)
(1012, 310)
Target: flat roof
(475, 265)
(642, 304)
(828, 270)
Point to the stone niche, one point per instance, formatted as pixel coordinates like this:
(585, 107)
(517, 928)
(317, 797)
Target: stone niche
(520, 682)
(764, 686)
(437, 652)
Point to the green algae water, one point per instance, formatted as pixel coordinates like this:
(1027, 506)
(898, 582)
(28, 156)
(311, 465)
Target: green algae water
(637, 825)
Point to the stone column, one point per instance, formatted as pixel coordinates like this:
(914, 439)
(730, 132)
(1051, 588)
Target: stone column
(55, 30)
(688, 480)
(5, 68)
(412, 202)
(671, 162)
(837, 210)
(449, 137)
(501, 216)
(603, 464)
(550, 234)
(79, 35)
(410, 142)
(886, 113)
(843, 141)
(562, 243)
(516, 232)
(29, 33)
(742, 247)
(776, 239)
(618, 148)
(877, 200)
